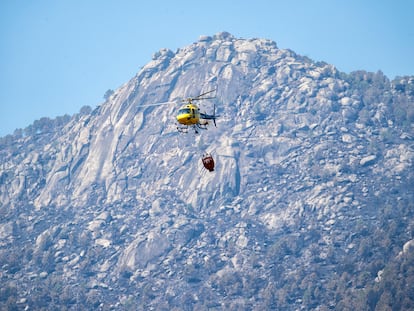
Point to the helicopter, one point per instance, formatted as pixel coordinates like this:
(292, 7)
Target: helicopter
(189, 114)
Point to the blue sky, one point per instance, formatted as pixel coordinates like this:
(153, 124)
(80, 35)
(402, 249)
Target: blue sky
(57, 56)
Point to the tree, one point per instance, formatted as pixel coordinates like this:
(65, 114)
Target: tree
(85, 110)
(108, 94)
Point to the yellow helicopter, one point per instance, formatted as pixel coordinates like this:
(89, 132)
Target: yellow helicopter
(190, 115)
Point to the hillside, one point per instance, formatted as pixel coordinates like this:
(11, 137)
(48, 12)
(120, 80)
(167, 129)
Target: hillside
(310, 206)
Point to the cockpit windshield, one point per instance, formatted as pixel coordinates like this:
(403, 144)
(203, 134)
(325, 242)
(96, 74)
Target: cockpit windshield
(184, 110)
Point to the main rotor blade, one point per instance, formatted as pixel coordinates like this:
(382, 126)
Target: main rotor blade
(197, 98)
(204, 94)
(156, 104)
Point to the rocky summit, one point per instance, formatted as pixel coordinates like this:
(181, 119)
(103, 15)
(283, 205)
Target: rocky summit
(310, 205)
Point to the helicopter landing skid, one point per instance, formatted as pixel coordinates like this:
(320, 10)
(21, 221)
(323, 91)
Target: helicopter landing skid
(182, 129)
(201, 126)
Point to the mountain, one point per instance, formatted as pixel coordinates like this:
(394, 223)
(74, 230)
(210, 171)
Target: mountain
(310, 206)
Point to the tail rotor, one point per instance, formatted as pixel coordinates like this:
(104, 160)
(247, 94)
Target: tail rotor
(214, 115)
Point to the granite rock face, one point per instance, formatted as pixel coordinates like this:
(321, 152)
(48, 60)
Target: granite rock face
(311, 198)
